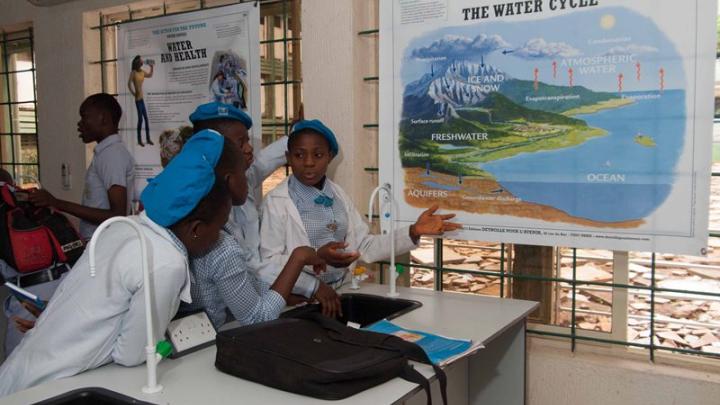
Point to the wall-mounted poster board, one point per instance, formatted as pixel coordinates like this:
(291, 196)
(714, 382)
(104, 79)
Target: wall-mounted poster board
(584, 123)
(167, 66)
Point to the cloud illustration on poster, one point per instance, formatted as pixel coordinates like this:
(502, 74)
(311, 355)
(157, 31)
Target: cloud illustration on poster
(457, 46)
(538, 48)
(631, 49)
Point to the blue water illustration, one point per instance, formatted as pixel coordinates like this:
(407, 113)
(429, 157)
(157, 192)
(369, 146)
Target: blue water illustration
(610, 178)
(447, 146)
(441, 186)
(493, 73)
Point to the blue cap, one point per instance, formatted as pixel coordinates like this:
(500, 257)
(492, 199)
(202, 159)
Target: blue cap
(215, 111)
(320, 128)
(186, 180)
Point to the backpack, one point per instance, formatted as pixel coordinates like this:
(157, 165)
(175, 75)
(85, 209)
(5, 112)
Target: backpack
(33, 238)
(319, 357)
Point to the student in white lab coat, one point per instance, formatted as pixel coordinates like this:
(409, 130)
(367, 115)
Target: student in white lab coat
(309, 209)
(225, 279)
(91, 321)
(234, 124)
(244, 222)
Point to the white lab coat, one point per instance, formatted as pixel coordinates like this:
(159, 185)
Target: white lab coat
(246, 217)
(282, 230)
(91, 321)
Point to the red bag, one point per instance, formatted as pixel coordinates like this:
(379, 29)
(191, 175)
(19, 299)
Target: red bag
(34, 238)
(67, 242)
(29, 242)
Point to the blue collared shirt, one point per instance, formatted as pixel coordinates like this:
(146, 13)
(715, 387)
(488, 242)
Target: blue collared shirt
(323, 224)
(223, 280)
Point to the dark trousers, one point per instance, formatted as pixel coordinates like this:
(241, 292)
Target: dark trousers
(142, 113)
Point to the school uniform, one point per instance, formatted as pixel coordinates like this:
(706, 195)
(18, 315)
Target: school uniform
(283, 229)
(226, 279)
(244, 221)
(222, 280)
(245, 217)
(91, 321)
(111, 165)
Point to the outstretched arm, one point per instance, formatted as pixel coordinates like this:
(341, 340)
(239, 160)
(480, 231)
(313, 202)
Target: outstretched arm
(430, 223)
(115, 181)
(268, 159)
(117, 196)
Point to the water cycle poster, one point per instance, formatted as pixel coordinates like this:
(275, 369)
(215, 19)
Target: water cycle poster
(584, 123)
(167, 66)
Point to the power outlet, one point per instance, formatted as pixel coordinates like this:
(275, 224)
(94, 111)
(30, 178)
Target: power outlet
(191, 332)
(66, 176)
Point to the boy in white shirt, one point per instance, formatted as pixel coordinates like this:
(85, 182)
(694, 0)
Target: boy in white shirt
(109, 179)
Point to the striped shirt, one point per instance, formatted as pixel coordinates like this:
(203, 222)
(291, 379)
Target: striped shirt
(324, 223)
(222, 280)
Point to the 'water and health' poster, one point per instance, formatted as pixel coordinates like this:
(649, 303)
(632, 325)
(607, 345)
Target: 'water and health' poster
(582, 123)
(167, 66)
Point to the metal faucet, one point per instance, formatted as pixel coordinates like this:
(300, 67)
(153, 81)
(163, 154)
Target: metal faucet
(151, 357)
(388, 214)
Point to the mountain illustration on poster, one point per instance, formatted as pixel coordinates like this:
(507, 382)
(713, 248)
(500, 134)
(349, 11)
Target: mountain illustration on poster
(536, 114)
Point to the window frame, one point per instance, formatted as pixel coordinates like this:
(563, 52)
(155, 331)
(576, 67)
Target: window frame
(16, 135)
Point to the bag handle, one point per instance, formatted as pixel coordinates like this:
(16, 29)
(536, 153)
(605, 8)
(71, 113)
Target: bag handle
(416, 353)
(322, 320)
(407, 349)
(409, 373)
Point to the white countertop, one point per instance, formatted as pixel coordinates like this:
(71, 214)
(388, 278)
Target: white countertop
(193, 379)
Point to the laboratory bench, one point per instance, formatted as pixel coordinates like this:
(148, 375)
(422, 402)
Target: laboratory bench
(493, 375)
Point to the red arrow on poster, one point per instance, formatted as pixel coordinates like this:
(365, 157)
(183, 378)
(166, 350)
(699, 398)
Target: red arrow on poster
(662, 80)
(535, 74)
(620, 82)
(554, 65)
(570, 77)
(637, 70)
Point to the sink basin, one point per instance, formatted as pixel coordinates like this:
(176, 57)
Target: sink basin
(364, 309)
(91, 396)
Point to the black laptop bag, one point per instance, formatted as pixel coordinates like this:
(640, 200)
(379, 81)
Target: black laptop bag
(319, 357)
